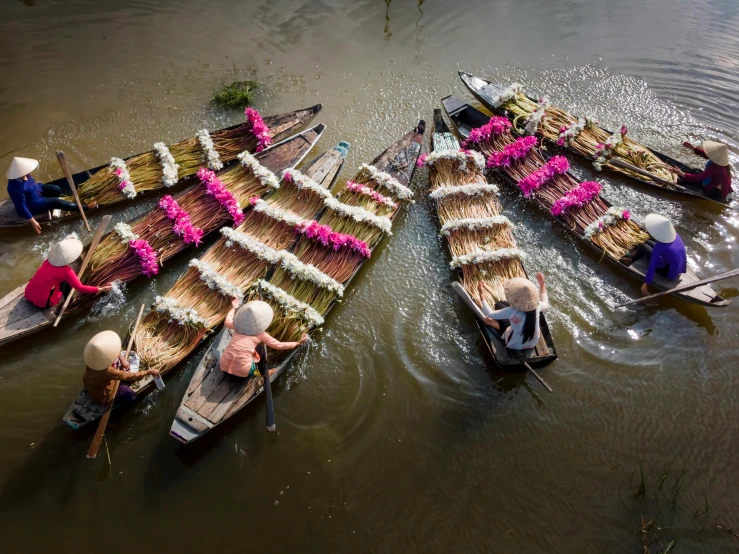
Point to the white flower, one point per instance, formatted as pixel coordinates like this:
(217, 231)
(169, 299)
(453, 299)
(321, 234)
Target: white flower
(306, 183)
(488, 256)
(368, 192)
(467, 190)
(259, 249)
(478, 160)
(278, 214)
(215, 281)
(598, 166)
(169, 167)
(473, 224)
(532, 124)
(125, 232)
(572, 132)
(118, 166)
(265, 176)
(507, 94)
(360, 214)
(611, 217)
(211, 155)
(183, 316)
(385, 180)
(309, 272)
(291, 305)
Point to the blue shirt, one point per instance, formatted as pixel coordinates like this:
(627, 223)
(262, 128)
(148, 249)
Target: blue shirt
(26, 197)
(672, 254)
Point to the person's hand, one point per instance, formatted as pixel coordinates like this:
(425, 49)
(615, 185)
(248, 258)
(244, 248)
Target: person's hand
(235, 303)
(489, 321)
(540, 279)
(153, 372)
(686, 144)
(480, 287)
(92, 205)
(106, 288)
(124, 363)
(303, 338)
(36, 226)
(645, 289)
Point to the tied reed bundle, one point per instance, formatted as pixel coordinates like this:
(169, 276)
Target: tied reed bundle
(304, 203)
(366, 198)
(465, 241)
(492, 275)
(338, 263)
(284, 327)
(459, 206)
(318, 297)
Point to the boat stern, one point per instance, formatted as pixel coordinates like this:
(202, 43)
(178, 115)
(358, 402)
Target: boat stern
(188, 426)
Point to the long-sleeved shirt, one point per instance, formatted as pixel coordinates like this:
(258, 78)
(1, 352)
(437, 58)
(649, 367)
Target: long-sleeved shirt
(672, 254)
(43, 288)
(713, 176)
(99, 384)
(513, 336)
(238, 355)
(26, 197)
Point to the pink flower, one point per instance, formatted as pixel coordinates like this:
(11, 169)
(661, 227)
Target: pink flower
(326, 236)
(496, 126)
(363, 189)
(512, 152)
(576, 197)
(182, 227)
(556, 165)
(215, 187)
(626, 215)
(561, 142)
(259, 128)
(147, 257)
(288, 176)
(118, 171)
(624, 130)
(123, 184)
(421, 160)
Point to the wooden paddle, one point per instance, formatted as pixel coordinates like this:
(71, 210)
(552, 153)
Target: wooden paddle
(625, 165)
(520, 358)
(70, 182)
(98, 438)
(93, 245)
(264, 370)
(689, 286)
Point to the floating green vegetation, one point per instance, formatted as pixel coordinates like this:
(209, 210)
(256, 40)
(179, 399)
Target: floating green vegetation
(238, 94)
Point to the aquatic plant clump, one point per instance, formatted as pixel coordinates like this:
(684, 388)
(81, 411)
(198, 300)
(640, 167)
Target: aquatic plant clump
(238, 94)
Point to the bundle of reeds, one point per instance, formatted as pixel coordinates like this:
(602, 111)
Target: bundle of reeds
(493, 276)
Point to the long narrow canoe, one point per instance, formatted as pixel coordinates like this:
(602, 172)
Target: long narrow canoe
(486, 93)
(213, 397)
(20, 318)
(325, 169)
(280, 126)
(465, 118)
(544, 353)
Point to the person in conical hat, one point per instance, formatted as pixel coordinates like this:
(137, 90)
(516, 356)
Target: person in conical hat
(665, 250)
(518, 316)
(250, 325)
(55, 278)
(31, 198)
(105, 365)
(715, 179)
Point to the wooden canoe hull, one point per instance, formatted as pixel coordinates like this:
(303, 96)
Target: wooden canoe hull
(281, 125)
(464, 117)
(484, 91)
(189, 424)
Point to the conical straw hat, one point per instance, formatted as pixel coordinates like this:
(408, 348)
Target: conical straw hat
(20, 167)
(102, 350)
(660, 228)
(65, 252)
(717, 152)
(253, 318)
(521, 294)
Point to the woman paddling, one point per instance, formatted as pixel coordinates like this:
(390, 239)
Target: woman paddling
(103, 359)
(518, 317)
(250, 324)
(55, 278)
(31, 198)
(715, 179)
(666, 252)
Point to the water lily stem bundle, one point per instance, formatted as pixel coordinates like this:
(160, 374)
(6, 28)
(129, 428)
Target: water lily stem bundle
(305, 291)
(337, 264)
(492, 275)
(458, 206)
(465, 241)
(445, 172)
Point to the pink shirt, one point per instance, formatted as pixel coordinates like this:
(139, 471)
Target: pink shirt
(238, 355)
(44, 285)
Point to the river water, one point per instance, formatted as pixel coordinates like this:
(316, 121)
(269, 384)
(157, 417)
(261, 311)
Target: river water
(393, 434)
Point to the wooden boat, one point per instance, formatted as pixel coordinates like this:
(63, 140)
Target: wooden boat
(465, 118)
(324, 169)
(19, 318)
(544, 353)
(281, 126)
(486, 91)
(212, 396)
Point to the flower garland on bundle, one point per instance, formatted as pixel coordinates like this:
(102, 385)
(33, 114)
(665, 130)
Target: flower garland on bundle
(272, 212)
(467, 190)
(569, 133)
(512, 152)
(361, 215)
(309, 272)
(259, 128)
(304, 183)
(611, 217)
(143, 250)
(169, 167)
(259, 249)
(496, 126)
(265, 176)
(386, 180)
(118, 166)
(508, 94)
(291, 305)
(475, 224)
(374, 195)
(460, 156)
(125, 232)
(183, 228)
(605, 150)
(215, 281)
(211, 154)
(488, 256)
(577, 197)
(327, 237)
(532, 124)
(183, 316)
(555, 166)
(218, 190)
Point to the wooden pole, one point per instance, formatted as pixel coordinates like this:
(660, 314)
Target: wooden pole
(100, 433)
(264, 370)
(689, 286)
(534, 373)
(625, 165)
(93, 245)
(70, 182)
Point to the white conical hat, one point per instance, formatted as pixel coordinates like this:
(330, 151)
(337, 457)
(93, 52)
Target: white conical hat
(717, 152)
(521, 294)
(102, 350)
(65, 252)
(20, 167)
(253, 318)
(660, 228)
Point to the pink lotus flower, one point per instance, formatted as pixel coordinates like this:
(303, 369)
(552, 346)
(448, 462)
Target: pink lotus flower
(182, 227)
(215, 187)
(555, 166)
(577, 197)
(626, 215)
(147, 257)
(496, 126)
(512, 152)
(421, 160)
(624, 130)
(326, 236)
(259, 128)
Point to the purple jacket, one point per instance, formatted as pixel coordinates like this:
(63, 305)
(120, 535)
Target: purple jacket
(672, 254)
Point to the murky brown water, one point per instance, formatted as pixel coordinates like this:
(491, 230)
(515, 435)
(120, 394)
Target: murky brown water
(393, 436)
